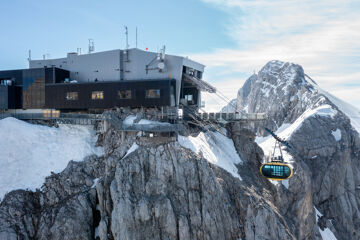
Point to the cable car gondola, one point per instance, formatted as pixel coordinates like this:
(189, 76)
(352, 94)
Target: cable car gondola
(276, 169)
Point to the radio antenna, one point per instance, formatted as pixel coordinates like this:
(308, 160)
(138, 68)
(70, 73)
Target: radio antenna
(127, 40)
(91, 45)
(136, 36)
(29, 58)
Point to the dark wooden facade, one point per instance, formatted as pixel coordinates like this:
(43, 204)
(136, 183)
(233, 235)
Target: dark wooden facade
(45, 88)
(56, 94)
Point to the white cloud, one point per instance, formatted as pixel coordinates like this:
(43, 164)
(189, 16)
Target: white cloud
(322, 36)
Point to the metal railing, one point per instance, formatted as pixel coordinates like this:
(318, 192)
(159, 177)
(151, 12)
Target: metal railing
(151, 127)
(65, 118)
(232, 116)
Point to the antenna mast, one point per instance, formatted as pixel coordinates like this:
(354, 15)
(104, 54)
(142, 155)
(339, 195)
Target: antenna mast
(136, 38)
(29, 58)
(91, 45)
(127, 40)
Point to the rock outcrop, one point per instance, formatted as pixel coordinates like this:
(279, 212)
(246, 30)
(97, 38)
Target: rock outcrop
(326, 144)
(157, 189)
(155, 192)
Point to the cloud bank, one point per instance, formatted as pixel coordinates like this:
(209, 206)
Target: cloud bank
(322, 36)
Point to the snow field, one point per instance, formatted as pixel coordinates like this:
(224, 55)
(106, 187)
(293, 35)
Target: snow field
(29, 153)
(350, 111)
(216, 148)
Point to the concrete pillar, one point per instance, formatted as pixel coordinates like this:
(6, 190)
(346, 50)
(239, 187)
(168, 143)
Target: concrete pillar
(123, 136)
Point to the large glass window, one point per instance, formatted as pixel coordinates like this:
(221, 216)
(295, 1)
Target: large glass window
(97, 95)
(124, 94)
(152, 93)
(72, 96)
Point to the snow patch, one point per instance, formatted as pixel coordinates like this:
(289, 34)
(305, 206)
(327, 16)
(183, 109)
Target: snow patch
(216, 148)
(285, 183)
(326, 234)
(286, 130)
(95, 182)
(146, 122)
(336, 134)
(31, 152)
(350, 111)
(131, 149)
(129, 120)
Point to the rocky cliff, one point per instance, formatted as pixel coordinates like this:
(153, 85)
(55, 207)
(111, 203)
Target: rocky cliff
(324, 132)
(142, 190)
(157, 188)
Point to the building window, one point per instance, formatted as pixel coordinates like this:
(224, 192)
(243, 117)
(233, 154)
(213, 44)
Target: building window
(152, 93)
(124, 94)
(189, 98)
(97, 95)
(72, 96)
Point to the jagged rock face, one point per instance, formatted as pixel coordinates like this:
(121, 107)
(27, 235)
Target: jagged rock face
(63, 209)
(164, 191)
(168, 192)
(293, 204)
(335, 171)
(284, 92)
(156, 192)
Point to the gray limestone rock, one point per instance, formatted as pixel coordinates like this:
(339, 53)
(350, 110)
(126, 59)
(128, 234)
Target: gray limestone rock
(164, 191)
(327, 171)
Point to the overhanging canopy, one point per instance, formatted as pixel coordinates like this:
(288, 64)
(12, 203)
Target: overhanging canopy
(202, 85)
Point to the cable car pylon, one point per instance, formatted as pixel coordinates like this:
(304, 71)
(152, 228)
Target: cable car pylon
(277, 169)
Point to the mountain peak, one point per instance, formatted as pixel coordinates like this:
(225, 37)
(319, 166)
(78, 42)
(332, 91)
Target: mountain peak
(277, 72)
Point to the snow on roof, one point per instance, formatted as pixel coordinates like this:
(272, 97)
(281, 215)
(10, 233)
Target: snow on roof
(129, 120)
(31, 152)
(216, 148)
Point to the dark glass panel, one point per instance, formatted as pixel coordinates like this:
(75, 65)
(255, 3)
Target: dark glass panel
(276, 171)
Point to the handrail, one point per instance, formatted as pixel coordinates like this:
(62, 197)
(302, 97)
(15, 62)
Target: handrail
(41, 116)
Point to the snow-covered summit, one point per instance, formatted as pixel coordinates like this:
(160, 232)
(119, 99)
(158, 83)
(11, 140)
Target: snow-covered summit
(285, 92)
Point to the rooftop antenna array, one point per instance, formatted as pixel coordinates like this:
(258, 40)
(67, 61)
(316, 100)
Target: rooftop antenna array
(161, 54)
(91, 45)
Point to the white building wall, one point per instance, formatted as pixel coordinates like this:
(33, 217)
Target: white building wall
(103, 66)
(106, 66)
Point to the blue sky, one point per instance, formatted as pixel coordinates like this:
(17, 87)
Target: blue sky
(233, 38)
(183, 26)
